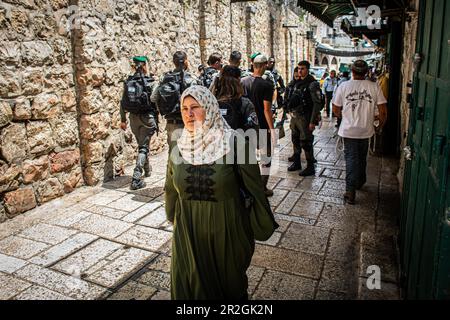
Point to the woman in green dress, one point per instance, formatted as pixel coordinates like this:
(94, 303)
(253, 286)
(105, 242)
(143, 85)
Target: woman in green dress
(214, 232)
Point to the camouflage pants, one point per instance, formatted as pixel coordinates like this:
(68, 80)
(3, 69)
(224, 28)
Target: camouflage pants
(302, 137)
(143, 127)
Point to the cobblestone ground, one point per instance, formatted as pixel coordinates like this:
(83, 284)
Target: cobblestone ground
(108, 242)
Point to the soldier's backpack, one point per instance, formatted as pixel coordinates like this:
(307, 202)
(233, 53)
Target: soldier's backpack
(208, 76)
(169, 93)
(136, 98)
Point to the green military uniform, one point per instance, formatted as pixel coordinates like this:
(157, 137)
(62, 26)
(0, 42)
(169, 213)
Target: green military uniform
(305, 105)
(143, 125)
(214, 235)
(174, 120)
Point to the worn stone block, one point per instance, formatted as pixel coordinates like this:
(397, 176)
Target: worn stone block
(92, 152)
(32, 81)
(102, 226)
(288, 203)
(6, 114)
(95, 126)
(91, 258)
(134, 291)
(129, 203)
(41, 294)
(49, 190)
(35, 170)
(142, 211)
(21, 248)
(10, 264)
(9, 84)
(63, 249)
(22, 109)
(109, 212)
(92, 102)
(47, 233)
(146, 238)
(71, 286)
(19, 201)
(161, 263)
(281, 286)
(40, 137)
(343, 246)
(13, 142)
(69, 220)
(10, 52)
(36, 53)
(312, 185)
(305, 238)
(65, 129)
(45, 106)
(155, 279)
(278, 196)
(105, 197)
(64, 161)
(300, 263)
(72, 180)
(9, 177)
(154, 219)
(11, 286)
(341, 277)
(307, 209)
(121, 267)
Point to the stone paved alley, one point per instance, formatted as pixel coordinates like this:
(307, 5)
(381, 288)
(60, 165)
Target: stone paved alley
(108, 242)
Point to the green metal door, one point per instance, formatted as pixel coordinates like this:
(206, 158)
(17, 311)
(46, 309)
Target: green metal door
(425, 229)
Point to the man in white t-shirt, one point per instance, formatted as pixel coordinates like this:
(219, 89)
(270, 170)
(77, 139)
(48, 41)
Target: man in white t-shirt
(361, 104)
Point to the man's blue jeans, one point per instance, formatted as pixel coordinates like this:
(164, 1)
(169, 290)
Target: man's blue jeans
(355, 162)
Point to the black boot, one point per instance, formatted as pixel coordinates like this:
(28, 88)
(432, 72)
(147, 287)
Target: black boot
(292, 158)
(297, 165)
(137, 184)
(309, 171)
(310, 168)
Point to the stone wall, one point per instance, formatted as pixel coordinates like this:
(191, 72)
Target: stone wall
(62, 65)
(39, 144)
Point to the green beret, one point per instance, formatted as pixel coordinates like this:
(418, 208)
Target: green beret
(253, 56)
(140, 59)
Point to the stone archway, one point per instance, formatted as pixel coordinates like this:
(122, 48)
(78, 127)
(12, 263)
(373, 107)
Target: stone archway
(324, 61)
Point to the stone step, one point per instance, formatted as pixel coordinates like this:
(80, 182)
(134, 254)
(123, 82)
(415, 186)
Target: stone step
(378, 277)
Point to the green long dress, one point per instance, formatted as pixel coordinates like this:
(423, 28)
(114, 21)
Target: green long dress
(214, 235)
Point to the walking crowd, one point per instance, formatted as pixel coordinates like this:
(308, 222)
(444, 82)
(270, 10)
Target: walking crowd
(222, 126)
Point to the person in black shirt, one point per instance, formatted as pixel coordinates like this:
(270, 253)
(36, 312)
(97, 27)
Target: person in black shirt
(260, 92)
(237, 110)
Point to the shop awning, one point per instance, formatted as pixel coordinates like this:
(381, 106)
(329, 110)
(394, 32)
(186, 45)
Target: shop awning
(329, 10)
(341, 53)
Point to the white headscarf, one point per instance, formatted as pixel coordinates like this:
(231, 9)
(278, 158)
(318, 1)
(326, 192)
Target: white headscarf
(211, 141)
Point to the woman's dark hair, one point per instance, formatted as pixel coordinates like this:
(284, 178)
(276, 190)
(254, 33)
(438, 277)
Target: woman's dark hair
(178, 57)
(231, 71)
(295, 72)
(215, 57)
(228, 86)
